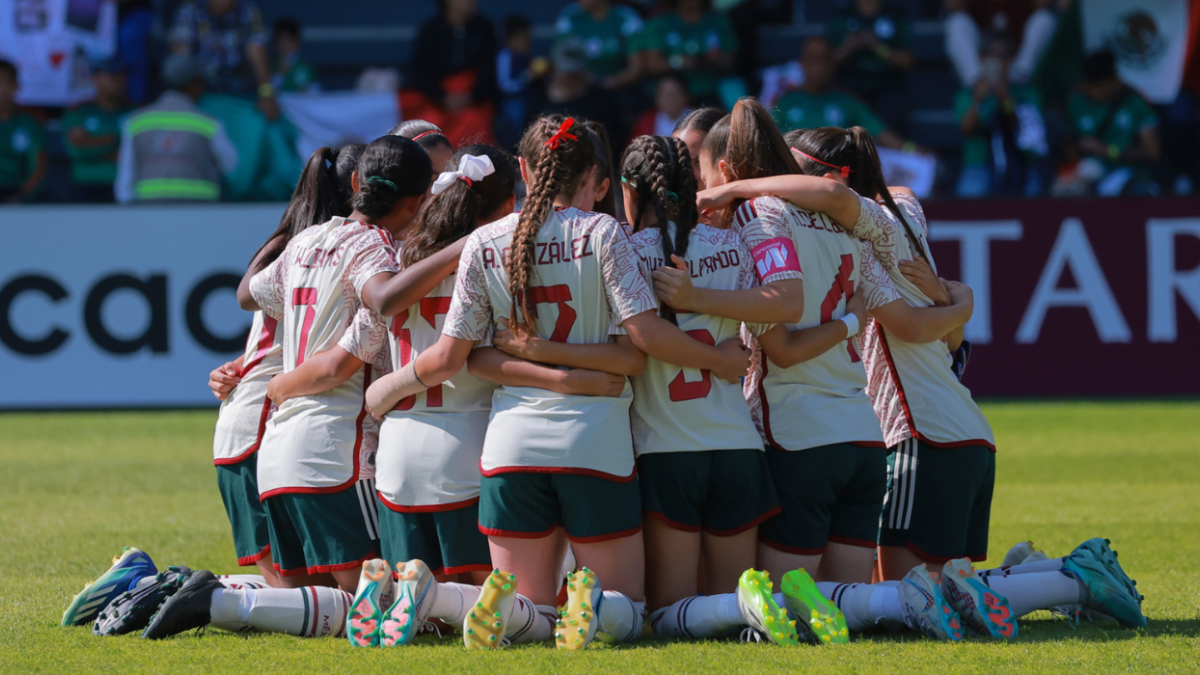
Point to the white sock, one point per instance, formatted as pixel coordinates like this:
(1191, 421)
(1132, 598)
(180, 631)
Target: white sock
(223, 612)
(1030, 592)
(1051, 565)
(698, 617)
(527, 622)
(451, 601)
(244, 580)
(865, 605)
(621, 617)
(313, 611)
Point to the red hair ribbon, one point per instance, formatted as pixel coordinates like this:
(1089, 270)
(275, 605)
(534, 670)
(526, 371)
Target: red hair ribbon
(466, 180)
(426, 133)
(559, 135)
(846, 171)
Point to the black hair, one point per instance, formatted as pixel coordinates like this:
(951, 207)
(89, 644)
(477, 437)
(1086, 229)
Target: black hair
(9, 67)
(1100, 66)
(427, 134)
(602, 150)
(659, 169)
(515, 24)
(854, 150)
(454, 213)
(700, 120)
(285, 25)
(390, 169)
(322, 192)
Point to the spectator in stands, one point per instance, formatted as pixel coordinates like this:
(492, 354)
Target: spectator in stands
(611, 37)
(135, 19)
(229, 40)
(92, 134)
(290, 73)
(170, 150)
(696, 41)
(22, 141)
(516, 69)
(817, 104)
(671, 104)
(453, 65)
(1114, 131)
(570, 90)
(1028, 23)
(1004, 136)
(871, 41)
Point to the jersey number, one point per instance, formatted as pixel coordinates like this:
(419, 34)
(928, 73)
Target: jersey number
(305, 297)
(430, 308)
(841, 288)
(558, 295)
(682, 390)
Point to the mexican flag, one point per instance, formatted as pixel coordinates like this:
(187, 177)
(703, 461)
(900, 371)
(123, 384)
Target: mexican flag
(1151, 39)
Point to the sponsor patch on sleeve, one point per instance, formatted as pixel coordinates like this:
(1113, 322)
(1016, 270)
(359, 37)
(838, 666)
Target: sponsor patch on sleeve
(775, 255)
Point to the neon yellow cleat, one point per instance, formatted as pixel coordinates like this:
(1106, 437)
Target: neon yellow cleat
(579, 618)
(825, 622)
(761, 612)
(484, 626)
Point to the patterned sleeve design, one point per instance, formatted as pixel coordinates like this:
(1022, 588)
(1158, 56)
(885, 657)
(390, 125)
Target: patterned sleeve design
(366, 339)
(878, 226)
(470, 315)
(627, 290)
(371, 253)
(748, 278)
(877, 286)
(763, 225)
(267, 287)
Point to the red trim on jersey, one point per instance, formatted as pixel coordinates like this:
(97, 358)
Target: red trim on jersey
(851, 541)
(252, 559)
(460, 569)
(266, 340)
(358, 437)
(513, 534)
(429, 508)
(791, 549)
(605, 537)
(673, 524)
(763, 517)
(766, 408)
(941, 560)
(262, 429)
(558, 469)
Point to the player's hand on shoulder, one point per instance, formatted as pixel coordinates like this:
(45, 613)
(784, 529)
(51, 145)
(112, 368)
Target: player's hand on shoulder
(857, 306)
(584, 382)
(736, 361)
(223, 379)
(673, 284)
(921, 274)
(516, 340)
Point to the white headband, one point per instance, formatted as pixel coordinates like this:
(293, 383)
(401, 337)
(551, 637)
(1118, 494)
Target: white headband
(470, 167)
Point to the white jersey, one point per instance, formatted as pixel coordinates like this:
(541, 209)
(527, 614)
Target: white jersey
(685, 409)
(916, 395)
(430, 443)
(821, 401)
(244, 413)
(585, 282)
(326, 442)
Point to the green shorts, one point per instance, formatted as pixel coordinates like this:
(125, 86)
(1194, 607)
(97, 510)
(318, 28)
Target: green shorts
(238, 484)
(939, 501)
(831, 493)
(723, 492)
(529, 505)
(329, 532)
(448, 541)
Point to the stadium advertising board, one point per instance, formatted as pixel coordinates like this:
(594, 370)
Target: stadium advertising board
(109, 306)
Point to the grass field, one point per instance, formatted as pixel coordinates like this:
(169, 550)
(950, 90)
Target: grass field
(77, 487)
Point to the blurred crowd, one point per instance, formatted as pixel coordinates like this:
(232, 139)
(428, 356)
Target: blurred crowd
(637, 67)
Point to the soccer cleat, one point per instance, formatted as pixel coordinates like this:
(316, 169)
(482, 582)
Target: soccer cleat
(131, 566)
(403, 621)
(188, 608)
(365, 621)
(483, 627)
(982, 609)
(1110, 591)
(760, 611)
(925, 609)
(132, 610)
(579, 619)
(823, 621)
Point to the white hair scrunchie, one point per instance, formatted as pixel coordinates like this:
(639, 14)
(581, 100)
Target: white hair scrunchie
(470, 167)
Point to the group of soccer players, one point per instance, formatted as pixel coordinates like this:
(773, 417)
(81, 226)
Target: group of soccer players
(547, 423)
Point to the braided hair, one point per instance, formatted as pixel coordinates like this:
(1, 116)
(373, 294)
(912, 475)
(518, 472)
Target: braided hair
(553, 171)
(447, 217)
(659, 169)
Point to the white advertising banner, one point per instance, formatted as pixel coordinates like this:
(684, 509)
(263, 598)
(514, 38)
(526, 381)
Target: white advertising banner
(106, 306)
